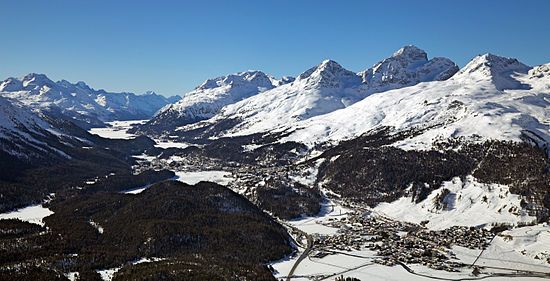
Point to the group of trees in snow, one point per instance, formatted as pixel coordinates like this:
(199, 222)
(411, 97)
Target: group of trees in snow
(368, 171)
(205, 229)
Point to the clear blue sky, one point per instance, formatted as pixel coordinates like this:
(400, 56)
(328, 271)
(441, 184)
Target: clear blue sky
(172, 46)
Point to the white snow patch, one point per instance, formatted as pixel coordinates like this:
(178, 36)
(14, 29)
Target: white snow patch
(107, 274)
(137, 190)
(73, 276)
(170, 144)
(33, 214)
(98, 227)
(219, 177)
(145, 260)
(314, 224)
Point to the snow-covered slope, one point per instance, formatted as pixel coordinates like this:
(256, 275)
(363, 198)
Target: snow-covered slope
(491, 97)
(321, 89)
(466, 203)
(207, 99)
(25, 135)
(79, 101)
(328, 87)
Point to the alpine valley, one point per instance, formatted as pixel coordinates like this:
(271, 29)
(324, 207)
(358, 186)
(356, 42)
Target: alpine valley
(412, 169)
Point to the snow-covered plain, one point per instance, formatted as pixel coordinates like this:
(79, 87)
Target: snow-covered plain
(219, 177)
(33, 214)
(517, 253)
(170, 144)
(117, 129)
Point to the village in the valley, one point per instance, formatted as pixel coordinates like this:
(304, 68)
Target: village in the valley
(357, 228)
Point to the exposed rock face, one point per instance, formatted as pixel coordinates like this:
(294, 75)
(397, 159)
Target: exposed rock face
(408, 66)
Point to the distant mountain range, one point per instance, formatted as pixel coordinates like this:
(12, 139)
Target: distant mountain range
(78, 101)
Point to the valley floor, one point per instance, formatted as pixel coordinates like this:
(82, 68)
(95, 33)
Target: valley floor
(522, 257)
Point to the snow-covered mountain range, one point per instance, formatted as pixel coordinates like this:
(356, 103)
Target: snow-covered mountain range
(491, 97)
(319, 90)
(504, 98)
(207, 99)
(79, 101)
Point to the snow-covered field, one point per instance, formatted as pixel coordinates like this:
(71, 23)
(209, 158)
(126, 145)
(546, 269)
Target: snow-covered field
(33, 214)
(504, 256)
(117, 129)
(220, 177)
(359, 264)
(313, 225)
(170, 144)
(523, 248)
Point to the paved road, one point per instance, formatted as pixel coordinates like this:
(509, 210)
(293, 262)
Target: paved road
(304, 255)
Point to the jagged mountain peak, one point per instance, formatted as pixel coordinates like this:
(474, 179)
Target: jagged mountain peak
(491, 64)
(11, 84)
(31, 81)
(254, 77)
(207, 99)
(150, 93)
(37, 80)
(411, 52)
(325, 66)
(406, 67)
(35, 77)
(79, 85)
(329, 74)
(82, 85)
(500, 71)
